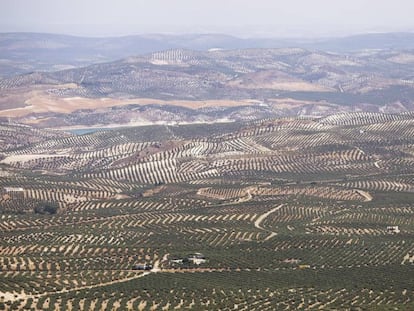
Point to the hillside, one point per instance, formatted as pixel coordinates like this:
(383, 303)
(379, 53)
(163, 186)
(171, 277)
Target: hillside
(28, 52)
(209, 85)
(286, 213)
(206, 172)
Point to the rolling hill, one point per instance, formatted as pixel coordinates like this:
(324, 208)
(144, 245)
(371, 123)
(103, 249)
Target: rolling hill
(202, 86)
(274, 214)
(27, 52)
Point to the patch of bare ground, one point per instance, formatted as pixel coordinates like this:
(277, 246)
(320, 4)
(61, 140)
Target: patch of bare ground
(289, 103)
(16, 102)
(39, 101)
(408, 258)
(365, 194)
(270, 79)
(27, 157)
(7, 296)
(153, 191)
(121, 197)
(403, 58)
(142, 305)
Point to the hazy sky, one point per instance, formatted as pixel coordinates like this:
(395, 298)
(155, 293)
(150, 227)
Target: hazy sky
(240, 17)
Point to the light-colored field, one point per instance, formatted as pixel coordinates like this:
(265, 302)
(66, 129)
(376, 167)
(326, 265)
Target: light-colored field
(402, 58)
(27, 157)
(130, 124)
(289, 103)
(277, 81)
(39, 101)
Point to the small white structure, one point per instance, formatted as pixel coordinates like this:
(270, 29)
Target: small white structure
(13, 189)
(393, 229)
(197, 258)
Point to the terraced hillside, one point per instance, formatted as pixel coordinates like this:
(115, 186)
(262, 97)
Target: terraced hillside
(274, 214)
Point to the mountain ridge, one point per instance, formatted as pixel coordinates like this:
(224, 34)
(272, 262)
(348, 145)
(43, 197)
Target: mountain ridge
(25, 52)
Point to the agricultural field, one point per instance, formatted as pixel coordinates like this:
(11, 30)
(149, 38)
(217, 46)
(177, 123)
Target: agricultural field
(304, 213)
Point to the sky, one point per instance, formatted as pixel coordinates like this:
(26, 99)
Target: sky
(245, 18)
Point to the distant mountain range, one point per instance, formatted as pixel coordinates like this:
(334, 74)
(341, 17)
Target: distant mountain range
(26, 52)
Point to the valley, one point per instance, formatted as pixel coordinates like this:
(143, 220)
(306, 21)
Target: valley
(206, 172)
(285, 213)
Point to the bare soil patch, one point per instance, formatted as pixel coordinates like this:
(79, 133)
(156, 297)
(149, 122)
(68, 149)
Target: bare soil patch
(24, 102)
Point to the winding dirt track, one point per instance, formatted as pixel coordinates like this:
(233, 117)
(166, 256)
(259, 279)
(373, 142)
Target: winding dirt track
(262, 217)
(155, 269)
(13, 297)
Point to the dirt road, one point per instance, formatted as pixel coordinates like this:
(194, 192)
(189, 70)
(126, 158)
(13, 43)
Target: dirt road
(259, 220)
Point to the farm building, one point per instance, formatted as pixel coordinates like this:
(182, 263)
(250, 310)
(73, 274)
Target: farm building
(13, 189)
(292, 260)
(197, 258)
(142, 267)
